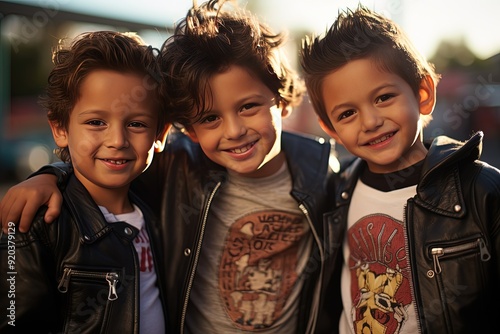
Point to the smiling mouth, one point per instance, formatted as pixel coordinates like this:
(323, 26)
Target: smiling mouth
(242, 149)
(381, 139)
(115, 162)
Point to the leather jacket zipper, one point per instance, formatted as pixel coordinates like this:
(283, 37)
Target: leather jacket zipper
(311, 324)
(438, 252)
(197, 255)
(111, 277)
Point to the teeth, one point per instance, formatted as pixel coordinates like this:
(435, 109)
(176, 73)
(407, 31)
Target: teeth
(116, 162)
(240, 150)
(381, 139)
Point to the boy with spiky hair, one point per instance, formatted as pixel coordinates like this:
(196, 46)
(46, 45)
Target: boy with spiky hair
(420, 225)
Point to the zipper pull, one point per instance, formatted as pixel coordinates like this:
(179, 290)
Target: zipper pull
(63, 284)
(485, 254)
(112, 279)
(436, 253)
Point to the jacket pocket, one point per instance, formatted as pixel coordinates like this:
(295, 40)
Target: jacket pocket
(460, 285)
(90, 295)
(111, 277)
(442, 252)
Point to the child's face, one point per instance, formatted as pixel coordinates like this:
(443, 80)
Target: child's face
(242, 131)
(376, 115)
(111, 136)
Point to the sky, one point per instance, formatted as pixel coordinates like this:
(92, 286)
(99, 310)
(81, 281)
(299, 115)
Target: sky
(427, 22)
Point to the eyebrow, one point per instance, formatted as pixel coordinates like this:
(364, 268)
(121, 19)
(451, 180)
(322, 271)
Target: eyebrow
(373, 91)
(90, 112)
(137, 112)
(340, 106)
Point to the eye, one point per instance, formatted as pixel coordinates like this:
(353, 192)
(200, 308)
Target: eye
(248, 106)
(137, 125)
(346, 114)
(95, 122)
(384, 97)
(209, 119)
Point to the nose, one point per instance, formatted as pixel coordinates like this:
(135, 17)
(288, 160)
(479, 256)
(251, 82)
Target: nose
(371, 119)
(117, 137)
(234, 127)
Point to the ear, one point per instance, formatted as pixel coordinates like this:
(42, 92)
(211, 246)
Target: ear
(189, 131)
(329, 131)
(161, 139)
(59, 133)
(285, 109)
(427, 95)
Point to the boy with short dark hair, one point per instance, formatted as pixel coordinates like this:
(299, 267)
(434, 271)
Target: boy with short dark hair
(95, 269)
(421, 225)
(255, 233)
(242, 202)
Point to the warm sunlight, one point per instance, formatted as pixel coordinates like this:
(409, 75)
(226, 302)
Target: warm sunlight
(426, 21)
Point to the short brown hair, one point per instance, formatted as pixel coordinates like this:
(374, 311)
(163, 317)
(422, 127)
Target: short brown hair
(124, 52)
(361, 34)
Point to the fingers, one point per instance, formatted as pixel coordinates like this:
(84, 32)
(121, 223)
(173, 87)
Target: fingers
(22, 201)
(54, 207)
(14, 207)
(27, 214)
(7, 209)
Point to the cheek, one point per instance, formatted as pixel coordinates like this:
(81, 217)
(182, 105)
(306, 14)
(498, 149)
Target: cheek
(148, 142)
(207, 142)
(81, 147)
(270, 132)
(412, 118)
(344, 135)
(271, 127)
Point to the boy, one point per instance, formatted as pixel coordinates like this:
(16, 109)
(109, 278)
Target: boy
(94, 270)
(241, 202)
(422, 225)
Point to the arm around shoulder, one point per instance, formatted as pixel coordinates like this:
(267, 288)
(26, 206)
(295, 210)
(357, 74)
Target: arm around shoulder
(22, 201)
(60, 169)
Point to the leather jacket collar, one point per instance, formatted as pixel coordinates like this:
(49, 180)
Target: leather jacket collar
(443, 154)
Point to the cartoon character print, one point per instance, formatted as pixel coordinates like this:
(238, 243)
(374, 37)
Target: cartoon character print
(258, 267)
(380, 286)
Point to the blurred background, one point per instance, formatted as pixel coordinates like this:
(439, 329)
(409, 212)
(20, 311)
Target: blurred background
(460, 37)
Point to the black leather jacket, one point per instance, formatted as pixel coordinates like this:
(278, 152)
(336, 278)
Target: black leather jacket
(187, 187)
(456, 213)
(181, 185)
(77, 275)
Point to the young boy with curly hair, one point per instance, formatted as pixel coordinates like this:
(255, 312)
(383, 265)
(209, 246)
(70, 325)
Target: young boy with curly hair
(96, 268)
(420, 225)
(241, 201)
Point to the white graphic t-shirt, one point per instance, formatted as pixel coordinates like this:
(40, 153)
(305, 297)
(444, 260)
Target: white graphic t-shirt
(151, 310)
(376, 280)
(256, 246)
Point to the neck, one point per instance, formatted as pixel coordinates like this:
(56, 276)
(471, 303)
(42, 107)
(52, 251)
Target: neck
(115, 200)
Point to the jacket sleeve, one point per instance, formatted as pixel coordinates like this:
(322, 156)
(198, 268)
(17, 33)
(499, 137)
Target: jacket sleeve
(60, 169)
(487, 197)
(28, 286)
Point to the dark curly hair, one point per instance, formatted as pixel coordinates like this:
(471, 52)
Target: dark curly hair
(123, 52)
(208, 41)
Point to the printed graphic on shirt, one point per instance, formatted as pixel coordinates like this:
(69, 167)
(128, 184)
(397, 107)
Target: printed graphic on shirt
(258, 267)
(144, 251)
(380, 286)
